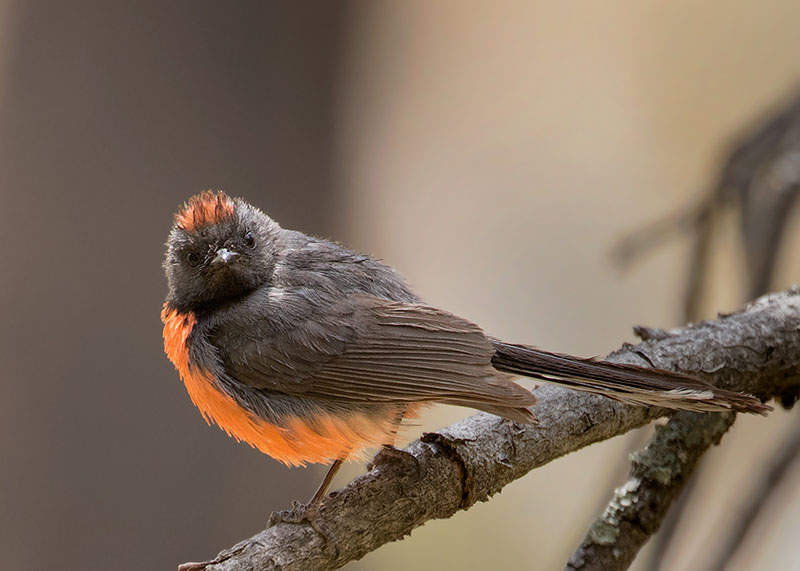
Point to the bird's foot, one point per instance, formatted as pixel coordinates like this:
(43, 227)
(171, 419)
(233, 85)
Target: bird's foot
(200, 565)
(304, 514)
(298, 513)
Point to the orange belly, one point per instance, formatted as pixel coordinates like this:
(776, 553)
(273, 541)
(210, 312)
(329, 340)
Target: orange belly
(322, 438)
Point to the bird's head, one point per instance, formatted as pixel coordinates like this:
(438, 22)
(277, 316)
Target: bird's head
(219, 248)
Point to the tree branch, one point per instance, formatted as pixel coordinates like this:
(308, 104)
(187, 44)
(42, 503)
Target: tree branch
(755, 350)
(658, 475)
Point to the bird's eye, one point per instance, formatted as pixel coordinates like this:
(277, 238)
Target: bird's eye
(192, 258)
(249, 239)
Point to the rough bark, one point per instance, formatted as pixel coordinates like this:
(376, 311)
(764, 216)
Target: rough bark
(658, 475)
(755, 350)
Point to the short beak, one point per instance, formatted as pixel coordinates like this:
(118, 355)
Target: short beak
(223, 256)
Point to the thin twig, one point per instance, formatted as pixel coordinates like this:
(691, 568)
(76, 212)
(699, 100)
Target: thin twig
(642, 241)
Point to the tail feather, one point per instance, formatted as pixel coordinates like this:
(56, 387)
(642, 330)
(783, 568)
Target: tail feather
(624, 383)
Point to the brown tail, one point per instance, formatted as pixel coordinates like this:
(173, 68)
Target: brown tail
(624, 383)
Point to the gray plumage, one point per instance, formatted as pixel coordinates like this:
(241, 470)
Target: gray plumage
(294, 324)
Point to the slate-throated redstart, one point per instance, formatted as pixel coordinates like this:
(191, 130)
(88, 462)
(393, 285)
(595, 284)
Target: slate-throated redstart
(313, 353)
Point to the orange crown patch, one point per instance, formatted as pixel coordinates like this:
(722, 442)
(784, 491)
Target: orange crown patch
(204, 209)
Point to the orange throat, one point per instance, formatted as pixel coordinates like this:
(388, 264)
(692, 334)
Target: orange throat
(320, 439)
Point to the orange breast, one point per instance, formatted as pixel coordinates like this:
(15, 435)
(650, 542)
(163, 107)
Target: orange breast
(293, 443)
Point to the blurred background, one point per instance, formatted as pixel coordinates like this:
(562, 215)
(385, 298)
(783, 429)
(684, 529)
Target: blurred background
(494, 153)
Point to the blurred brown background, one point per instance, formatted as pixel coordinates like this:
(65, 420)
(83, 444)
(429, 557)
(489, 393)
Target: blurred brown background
(492, 152)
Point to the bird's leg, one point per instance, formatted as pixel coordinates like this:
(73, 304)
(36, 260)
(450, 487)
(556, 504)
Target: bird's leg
(316, 500)
(300, 513)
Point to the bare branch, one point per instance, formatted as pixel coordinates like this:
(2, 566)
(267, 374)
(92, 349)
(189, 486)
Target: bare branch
(756, 350)
(658, 475)
(672, 523)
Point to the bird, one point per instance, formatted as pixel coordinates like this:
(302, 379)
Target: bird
(313, 353)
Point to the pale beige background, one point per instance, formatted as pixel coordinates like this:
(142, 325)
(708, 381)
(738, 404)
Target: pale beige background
(494, 152)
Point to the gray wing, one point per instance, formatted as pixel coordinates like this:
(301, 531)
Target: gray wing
(371, 350)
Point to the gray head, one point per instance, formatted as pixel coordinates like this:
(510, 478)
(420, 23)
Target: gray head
(219, 248)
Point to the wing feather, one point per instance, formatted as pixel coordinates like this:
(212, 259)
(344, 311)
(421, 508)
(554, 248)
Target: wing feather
(372, 350)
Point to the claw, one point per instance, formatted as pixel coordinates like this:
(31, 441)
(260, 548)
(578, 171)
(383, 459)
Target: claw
(304, 513)
(298, 513)
(200, 565)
